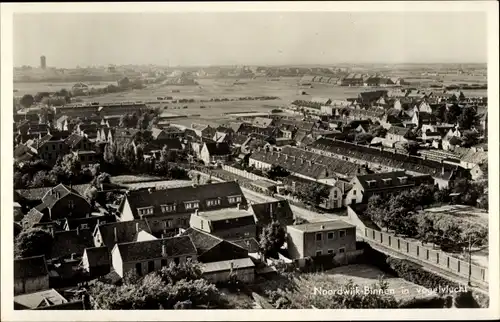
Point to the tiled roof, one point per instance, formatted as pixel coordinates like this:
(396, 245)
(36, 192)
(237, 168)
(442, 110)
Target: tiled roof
(73, 140)
(34, 216)
(307, 163)
(266, 212)
(223, 219)
(386, 158)
(30, 267)
(39, 299)
(140, 251)
(250, 244)
(385, 180)
(71, 242)
(396, 130)
(202, 241)
(92, 221)
(222, 266)
(219, 148)
(98, 256)
(178, 196)
(125, 231)
(475, 157)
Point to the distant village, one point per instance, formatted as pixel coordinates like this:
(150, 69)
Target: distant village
(106, 191)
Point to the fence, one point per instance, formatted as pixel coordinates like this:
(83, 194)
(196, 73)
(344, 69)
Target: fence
(427, 255)
(246, 174)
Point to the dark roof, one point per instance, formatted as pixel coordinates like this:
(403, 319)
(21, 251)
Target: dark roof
(250, 244)
(211, 248)
(307, 163)
(275, 210)
(97, 256)
(387, 158)
(173, 246)
(125, 231)
(30, 267)
(92, 221)
(201, 193)
(371, 96)
(71, 242)
(397, 130)
(223, 219)
(219, 148)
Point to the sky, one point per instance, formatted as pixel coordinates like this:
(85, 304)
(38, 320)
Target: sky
(246, 38)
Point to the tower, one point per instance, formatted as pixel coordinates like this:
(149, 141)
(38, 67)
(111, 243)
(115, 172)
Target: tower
(43, 62)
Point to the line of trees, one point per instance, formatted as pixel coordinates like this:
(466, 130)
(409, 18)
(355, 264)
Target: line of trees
(174, 287)
(398, 213)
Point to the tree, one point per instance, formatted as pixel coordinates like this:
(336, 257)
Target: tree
(110, 153)
(174, 273)
(452, 113)
(378, 131)
(468, 118)
(272, 238)
(276, 171)
(33, 242)
(426, 230)
(71, 166)
(411, 147)
(27, 100)
(124, 121)
(470, 138)
(312, 193)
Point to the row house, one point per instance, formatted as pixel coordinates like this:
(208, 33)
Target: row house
(122, 108)
(365, 186)
(352, 80)
(381, 160)
(172, 208)
(144, 257)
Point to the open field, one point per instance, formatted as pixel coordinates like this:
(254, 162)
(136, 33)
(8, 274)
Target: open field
(33, 87)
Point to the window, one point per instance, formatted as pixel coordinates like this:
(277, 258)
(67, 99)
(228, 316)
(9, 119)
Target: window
(371, 183)
(387, 181)
(234, 199)
(341, 233)
(318, 236)
(163, 262)
(341, 250)
(353, 192)
(84, 226)
(71, 204)
(201, 224)
(168, 208)
(169, 223)
(403, 180)
(138, 269)
(330, 251)
(192, 205)
(151, 266)
(145, 211)
(330, 235)
(188, 258)
(319, 253)
(213, 202)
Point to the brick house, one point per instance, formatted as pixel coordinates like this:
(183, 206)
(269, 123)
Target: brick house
(30, 275)
(363, 187)
(321, 238)
(215, 152)
(58, 203)
(147, 256)
(174, 206)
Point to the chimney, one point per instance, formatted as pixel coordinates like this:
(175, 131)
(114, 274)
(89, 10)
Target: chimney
(78, 231)
(238, 205)
(310, 162)
(442, 170)
(163, 250)
(116, 235)
(196, 212)
(150, 190)
(73, 256)
(137, 227)
(98, 221)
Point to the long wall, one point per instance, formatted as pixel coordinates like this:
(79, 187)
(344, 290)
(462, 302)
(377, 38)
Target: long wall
(426, 254)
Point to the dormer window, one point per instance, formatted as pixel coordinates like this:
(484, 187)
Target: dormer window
(145, 211)
(84, 226)
(168, 208)
(213, 202)
(371, 183)
(387, 181)
(192, 205)
(403, 180)
(234, 199)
